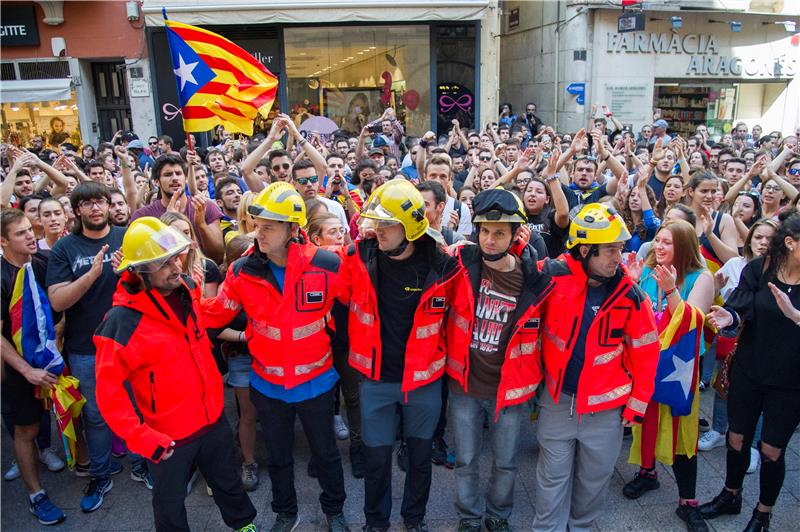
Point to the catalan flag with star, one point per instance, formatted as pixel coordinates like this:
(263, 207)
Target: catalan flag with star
(219, 83)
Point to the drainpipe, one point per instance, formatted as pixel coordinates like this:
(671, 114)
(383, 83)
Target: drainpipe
(555, 70)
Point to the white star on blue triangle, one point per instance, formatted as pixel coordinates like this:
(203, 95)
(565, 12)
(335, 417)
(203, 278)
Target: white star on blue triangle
(683, 373)
(191, 72)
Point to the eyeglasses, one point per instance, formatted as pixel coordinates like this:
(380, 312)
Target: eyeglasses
(474, 143)
(276, 167)
(485, 158)
(153, 143)
(794, 171)
(305, 180)
(772, 188)
(88, 204)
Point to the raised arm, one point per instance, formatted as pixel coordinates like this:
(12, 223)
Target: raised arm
(250, 162)
(362, 139)
(746, 179)
(560, 203)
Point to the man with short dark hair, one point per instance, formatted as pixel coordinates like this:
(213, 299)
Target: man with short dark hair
(97, 171)
(81, 282)
(20, 405)
(216, 162)
(118, 210)
(165, 145)
(735, 168)
(435, 201)
(307, 183)
(228, 195)
(170, 172)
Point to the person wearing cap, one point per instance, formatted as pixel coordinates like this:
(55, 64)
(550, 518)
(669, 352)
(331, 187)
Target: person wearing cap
(402, 287)
(377, 153)
(494, 361)
(599, 352)
(660, 132)
(287, 286)
(136, 147)
(154, 339)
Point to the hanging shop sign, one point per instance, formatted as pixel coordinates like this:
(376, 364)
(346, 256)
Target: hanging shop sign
(18, 26)
(704, 57)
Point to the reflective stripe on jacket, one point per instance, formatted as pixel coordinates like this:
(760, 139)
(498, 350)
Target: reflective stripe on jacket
(425, 350)
(621, 352)
(288, 332)
(521, 371)
(168, 363)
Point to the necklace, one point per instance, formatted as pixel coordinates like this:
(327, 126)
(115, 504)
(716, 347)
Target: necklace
(787, 282)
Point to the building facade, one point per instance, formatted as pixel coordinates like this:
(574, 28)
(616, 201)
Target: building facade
(74, 70)
(698, 66)
(346, 61)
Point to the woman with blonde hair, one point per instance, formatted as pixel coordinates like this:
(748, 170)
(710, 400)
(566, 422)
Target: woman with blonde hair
(681, 290)
(243, 220)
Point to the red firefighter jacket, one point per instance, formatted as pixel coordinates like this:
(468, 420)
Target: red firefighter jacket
(621, 353)
(521, 371)
(168, 363)
(288, 332)
(425, 351)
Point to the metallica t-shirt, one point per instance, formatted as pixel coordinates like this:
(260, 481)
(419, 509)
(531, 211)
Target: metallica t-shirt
(494, 313)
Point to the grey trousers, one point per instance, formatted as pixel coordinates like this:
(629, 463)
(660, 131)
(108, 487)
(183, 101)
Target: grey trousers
(576, 460)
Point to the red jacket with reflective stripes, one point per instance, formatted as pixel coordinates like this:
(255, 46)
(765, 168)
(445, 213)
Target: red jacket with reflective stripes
(621, 352)
(287, 331)
(168, 363)
(521, 371)
(425, 350)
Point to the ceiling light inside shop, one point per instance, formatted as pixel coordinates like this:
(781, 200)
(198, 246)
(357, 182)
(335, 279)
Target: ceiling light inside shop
(372, 47)
(15, 108)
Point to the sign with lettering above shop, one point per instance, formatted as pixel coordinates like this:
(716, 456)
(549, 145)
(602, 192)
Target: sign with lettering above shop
(18, 25)
(705, 56)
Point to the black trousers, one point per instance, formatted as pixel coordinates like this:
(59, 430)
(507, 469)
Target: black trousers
(213, 454)
(316, 416)
(349, 378)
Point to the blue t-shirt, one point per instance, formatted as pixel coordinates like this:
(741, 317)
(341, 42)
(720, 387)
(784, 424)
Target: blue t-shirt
(595, 295)
(302, 392)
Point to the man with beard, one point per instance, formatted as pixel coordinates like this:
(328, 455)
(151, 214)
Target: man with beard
(37, 144)
(664, 159)
(118, 211)
(81, 283)
(306, 182)
(228, 194)
(170, 170)
(215, 160)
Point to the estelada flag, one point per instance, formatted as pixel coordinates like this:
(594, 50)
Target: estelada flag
(34, 338)
(218, 82)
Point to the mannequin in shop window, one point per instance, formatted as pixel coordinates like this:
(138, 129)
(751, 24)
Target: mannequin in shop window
(57, 133)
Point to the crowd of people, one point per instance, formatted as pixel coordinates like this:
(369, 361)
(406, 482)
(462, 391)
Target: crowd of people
(381, 287)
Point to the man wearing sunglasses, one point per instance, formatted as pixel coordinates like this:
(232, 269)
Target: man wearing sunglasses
(793, 173)
(306, 181)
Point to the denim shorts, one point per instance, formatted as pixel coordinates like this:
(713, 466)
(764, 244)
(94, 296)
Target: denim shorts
(239, 371)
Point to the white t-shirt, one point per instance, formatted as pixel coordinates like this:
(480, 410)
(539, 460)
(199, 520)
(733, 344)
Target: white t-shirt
(733, 271)
(334, 207)
(464, 222)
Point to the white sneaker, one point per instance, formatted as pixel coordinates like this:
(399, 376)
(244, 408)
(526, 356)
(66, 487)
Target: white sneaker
(340, 428)
(755, 460)
(711, 440)
(13, 472)
(49, 458)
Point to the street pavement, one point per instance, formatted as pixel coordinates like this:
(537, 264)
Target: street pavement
(128, 506)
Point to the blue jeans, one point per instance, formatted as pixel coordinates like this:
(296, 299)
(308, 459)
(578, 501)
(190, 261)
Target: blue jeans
(98, 435)
(467, 415)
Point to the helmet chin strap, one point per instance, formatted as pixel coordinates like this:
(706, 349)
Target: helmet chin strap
(399, 250)
(493, 257)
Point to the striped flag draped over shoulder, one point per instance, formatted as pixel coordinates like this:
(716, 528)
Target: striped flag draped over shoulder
(218, 82)
(34, 337)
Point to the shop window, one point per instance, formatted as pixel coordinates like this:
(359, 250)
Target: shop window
(687, 106)
(56, 121)
(351, 75)
(455, 72)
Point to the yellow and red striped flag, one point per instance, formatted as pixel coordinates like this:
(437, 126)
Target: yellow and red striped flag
(218, 82)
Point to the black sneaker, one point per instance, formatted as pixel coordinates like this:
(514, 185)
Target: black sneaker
(759, 522)
(337, 523)
(724, 503)
(690, 515)
(495, 524)
(422, 526)
(285, 523)
(469, 525)
(439, 452)
(357, 460)
(641, 484)
(402, 457)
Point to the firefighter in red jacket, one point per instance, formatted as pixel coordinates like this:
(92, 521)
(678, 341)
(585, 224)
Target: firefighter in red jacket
(402, 287)
(153, 339)
(493, 356)
(600, 352)
(287, 287)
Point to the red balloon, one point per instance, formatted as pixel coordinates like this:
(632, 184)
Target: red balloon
(411, 99)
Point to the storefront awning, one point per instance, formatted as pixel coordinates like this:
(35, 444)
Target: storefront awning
(35, 90)
(204, 12)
